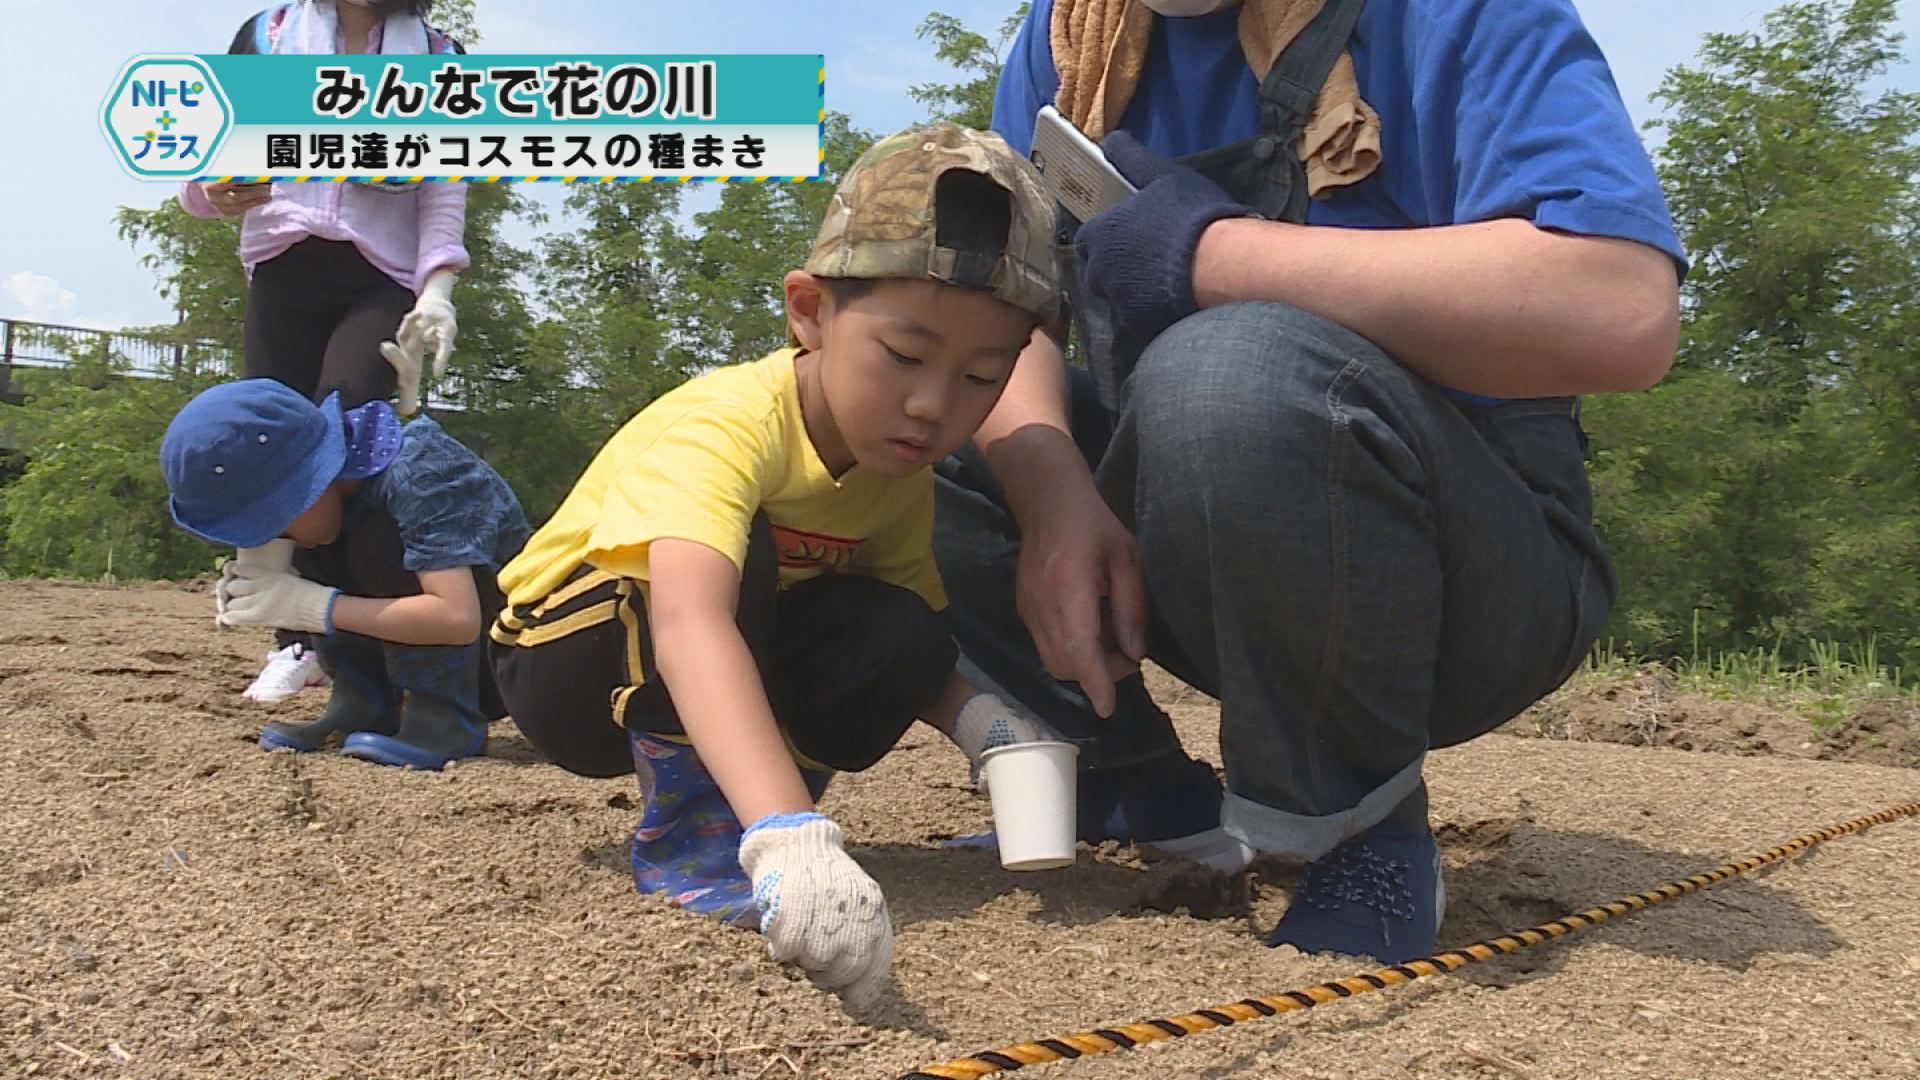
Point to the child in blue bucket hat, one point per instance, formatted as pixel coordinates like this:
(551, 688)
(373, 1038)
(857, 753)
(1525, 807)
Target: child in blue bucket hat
(399, 533)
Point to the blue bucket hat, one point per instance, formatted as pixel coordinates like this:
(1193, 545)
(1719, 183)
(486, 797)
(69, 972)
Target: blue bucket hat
(246, 458)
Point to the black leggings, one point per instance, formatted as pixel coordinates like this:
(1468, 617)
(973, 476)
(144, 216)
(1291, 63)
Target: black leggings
(848, 663)
(316, 315)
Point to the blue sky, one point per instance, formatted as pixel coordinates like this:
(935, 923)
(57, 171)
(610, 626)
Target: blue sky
(61, 261)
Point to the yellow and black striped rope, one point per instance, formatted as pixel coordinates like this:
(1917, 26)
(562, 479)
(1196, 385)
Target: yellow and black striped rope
(1128, 1036)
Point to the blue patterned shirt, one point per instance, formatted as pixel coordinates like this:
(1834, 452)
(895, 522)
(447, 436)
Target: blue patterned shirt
(452, 509)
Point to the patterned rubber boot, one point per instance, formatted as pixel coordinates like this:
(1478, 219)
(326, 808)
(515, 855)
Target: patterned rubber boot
(687, 846)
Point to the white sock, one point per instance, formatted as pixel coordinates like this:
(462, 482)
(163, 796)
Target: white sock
(985, 722)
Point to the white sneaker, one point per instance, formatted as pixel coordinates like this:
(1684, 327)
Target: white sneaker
(288, 671)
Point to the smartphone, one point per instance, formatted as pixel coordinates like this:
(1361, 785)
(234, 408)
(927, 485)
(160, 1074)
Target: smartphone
(1076, 173)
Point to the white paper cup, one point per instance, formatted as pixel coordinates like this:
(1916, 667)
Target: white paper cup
(1031, 785)
(272, 555)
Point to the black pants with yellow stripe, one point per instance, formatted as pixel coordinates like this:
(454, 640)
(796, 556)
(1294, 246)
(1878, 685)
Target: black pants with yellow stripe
(848, 662)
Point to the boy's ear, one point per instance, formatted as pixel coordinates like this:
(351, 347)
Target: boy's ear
(806, 309)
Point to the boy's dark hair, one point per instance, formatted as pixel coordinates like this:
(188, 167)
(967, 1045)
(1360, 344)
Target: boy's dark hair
(972, 216)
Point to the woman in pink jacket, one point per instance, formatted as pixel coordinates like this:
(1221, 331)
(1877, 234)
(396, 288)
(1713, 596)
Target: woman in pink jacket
(336, 270)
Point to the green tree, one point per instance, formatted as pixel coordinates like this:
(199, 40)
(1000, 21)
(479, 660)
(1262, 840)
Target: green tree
(728, 301)
(1770, 482)
(195, 261)
(1796, 193)
(969, 102)
(606, 285)
(91, 500)
(456, 17)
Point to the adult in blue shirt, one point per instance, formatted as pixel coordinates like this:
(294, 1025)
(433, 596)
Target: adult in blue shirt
(1331, 470)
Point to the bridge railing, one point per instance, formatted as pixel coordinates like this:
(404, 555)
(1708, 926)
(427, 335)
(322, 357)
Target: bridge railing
(25, 344)
(143, 354)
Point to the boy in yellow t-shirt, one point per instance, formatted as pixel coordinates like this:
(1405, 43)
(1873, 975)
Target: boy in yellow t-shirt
(739, 596)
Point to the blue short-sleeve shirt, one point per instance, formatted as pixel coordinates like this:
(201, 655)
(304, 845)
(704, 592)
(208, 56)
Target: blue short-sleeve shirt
(1487, 110)
(452, 508)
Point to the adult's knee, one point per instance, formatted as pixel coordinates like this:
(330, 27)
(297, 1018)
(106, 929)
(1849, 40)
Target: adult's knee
(1246, 383)
(1237, 394)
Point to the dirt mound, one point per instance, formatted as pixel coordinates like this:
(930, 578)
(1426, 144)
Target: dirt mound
(176, 903)
(1650, 710)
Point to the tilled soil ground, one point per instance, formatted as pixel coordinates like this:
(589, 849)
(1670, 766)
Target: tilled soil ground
(176, 902)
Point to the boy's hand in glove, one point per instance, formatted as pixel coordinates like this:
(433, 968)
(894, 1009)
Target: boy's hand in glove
(274, 599)
(819, 909)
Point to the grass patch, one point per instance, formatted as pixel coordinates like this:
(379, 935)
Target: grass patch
(1827, 687)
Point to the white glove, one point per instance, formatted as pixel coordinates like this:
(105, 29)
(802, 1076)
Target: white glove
(250, 596)
(431, 324)
(272, 555)
(818, 909)
(985, 723)
(220, 596)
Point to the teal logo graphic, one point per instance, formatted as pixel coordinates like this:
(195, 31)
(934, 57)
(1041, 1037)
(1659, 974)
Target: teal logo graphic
(166, 117)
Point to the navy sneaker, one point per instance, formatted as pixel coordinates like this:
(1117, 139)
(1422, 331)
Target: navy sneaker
(1380, 894)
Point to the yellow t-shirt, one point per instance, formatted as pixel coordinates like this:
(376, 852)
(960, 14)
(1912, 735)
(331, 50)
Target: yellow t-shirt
(699, 462)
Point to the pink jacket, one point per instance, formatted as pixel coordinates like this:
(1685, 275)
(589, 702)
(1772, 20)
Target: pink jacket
(407, 235)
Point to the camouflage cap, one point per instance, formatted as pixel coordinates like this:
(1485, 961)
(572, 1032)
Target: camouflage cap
(881, 223)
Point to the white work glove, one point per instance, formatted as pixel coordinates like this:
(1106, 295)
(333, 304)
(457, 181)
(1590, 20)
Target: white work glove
(272, 555)
(430, 325)
(985, 723)
(818, 909)
(250, 596)
(221, 594)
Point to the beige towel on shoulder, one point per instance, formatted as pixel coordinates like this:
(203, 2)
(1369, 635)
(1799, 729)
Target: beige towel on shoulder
(1100, 51)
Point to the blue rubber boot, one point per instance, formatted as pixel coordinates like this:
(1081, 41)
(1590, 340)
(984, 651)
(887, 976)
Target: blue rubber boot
(361, 699)
(687, 846)
(440, 722)
(1380, 894)
(433, 734)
